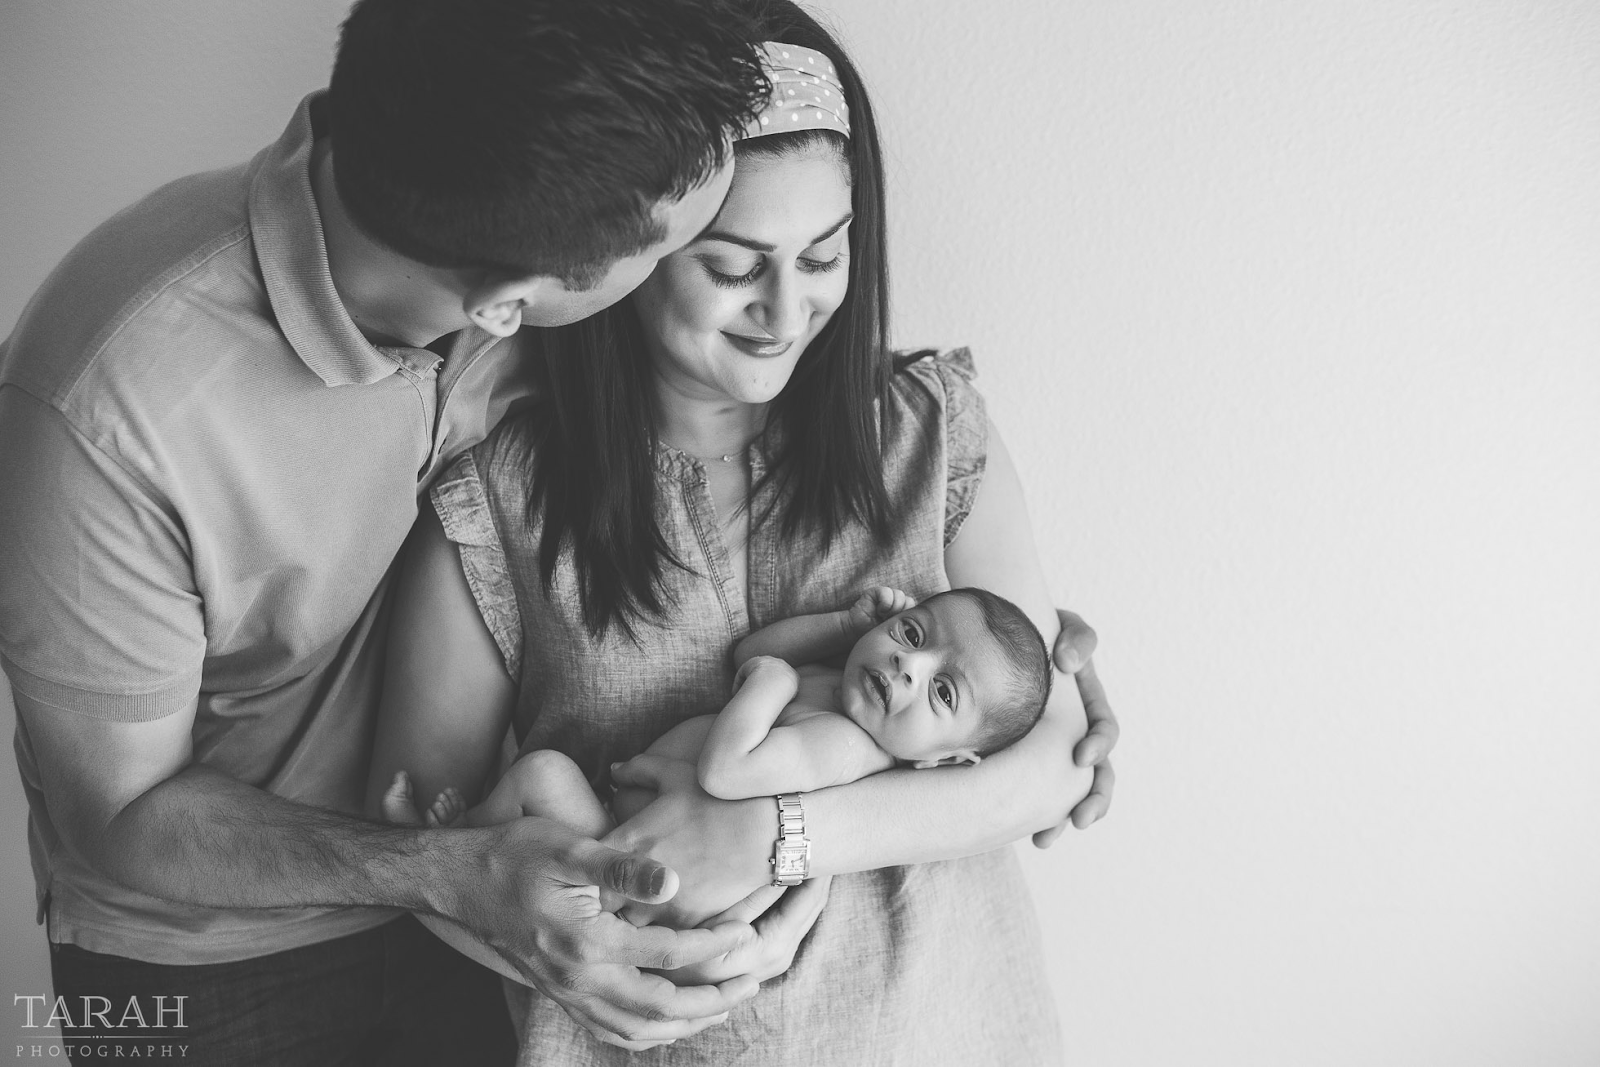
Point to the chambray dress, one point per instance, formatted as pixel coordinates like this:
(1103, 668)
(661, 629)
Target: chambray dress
(934, 964)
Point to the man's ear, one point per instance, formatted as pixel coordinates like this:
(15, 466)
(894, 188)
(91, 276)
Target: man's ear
(495, 304)
(966, 755)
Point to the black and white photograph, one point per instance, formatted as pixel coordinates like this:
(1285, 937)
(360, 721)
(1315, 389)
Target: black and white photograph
(800, 533)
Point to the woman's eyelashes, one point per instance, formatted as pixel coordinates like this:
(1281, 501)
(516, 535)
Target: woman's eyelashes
(721, 275)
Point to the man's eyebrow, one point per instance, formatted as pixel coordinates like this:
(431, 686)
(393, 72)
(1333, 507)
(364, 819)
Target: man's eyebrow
(709, 234)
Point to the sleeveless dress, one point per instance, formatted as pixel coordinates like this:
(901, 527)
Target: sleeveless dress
(933, 964)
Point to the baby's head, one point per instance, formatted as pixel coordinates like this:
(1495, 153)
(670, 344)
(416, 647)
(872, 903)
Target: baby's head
(956, 678)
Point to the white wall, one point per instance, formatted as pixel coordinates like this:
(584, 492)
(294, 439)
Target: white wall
(1291, 313)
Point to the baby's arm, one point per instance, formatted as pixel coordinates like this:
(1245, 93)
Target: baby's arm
(745, 755)
(815, 638)
(743, 751)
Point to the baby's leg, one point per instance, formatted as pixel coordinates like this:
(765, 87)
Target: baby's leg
(548, 784)
(399, 806)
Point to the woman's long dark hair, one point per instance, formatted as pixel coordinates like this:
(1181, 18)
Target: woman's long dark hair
(594, 428)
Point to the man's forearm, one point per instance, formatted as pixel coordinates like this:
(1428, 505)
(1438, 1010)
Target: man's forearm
(203, 838)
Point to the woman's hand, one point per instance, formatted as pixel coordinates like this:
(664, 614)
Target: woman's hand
(782, 918)
(1074, 648)
(719, 848)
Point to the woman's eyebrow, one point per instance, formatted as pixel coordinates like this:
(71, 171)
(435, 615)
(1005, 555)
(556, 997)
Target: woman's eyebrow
(758, 246)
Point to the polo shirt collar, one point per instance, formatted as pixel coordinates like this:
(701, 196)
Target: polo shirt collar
(293, 258)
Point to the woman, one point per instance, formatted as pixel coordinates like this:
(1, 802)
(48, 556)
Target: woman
(733, 445)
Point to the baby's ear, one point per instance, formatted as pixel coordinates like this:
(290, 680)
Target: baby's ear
(954, 759)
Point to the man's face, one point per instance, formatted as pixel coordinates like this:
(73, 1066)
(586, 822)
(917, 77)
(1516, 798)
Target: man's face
(683, 220)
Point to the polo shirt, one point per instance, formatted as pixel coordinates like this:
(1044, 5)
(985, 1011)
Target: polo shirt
(205, 474)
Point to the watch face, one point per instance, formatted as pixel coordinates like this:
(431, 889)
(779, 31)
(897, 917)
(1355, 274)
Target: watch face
(791, 861)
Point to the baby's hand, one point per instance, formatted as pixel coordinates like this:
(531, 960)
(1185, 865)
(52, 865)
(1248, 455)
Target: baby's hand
(877, 604)
(762, 665)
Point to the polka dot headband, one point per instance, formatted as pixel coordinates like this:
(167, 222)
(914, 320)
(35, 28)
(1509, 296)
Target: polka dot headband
(806, 94)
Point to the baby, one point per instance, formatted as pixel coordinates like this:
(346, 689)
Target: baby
(951, 680)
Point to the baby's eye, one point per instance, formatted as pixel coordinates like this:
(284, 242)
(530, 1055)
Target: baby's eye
(912, 633)
(944, 693)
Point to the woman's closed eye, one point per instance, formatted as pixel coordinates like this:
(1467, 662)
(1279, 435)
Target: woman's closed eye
(730, 278)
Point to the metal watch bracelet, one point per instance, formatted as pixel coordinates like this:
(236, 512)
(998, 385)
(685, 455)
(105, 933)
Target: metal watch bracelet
(791, 854)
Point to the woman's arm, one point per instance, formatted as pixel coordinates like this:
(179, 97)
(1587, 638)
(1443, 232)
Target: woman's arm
(1018, 791)
(446, 696)
(902, 816)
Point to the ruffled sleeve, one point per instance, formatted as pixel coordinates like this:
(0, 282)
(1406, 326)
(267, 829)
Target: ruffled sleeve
(966, 435)
(462, 505)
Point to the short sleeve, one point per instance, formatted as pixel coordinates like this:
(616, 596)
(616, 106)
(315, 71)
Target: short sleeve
(966, 437)
(462, 505)
(99, 611)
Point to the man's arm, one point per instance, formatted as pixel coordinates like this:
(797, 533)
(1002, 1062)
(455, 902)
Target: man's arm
(102, 629)
(127, 802)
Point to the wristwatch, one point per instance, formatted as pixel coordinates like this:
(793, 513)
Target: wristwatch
(791, 855)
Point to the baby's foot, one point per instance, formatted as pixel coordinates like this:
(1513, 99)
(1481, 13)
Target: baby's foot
(399, 807)
(447, 809)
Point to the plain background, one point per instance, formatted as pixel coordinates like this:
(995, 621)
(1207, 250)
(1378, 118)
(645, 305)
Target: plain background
(1291, 314)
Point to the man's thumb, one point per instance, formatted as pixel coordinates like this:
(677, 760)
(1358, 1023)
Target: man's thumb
(632, 874)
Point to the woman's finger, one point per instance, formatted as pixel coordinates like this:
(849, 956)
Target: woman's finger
(1103, 729)
(778, 937)
(652, 772)
(750, 908)
(1074, 644)
(1092, 808)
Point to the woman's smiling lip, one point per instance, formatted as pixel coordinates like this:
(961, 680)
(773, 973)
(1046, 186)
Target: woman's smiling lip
(757, 346)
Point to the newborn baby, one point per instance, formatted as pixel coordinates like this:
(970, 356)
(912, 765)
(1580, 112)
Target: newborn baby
(951, 680)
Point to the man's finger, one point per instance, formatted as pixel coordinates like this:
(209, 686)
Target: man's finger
(662, 948)
(1074, 644)
(632, 874)
(634, 1026)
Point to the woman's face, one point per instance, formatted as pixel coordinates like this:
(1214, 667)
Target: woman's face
(728, 315)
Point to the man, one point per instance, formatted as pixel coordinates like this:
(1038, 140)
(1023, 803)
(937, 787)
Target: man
(218, 417)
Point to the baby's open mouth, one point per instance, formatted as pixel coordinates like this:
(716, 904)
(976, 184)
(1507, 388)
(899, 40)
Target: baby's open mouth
(880, 687)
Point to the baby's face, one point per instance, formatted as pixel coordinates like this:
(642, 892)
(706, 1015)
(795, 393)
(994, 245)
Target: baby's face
(921, 682)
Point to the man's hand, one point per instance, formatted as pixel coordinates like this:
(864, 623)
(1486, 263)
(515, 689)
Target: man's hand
(537, 903)
(1074, 646)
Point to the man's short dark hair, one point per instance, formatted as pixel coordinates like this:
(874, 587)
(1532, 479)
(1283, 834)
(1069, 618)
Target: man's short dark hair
(534, 137)
(1028, 661)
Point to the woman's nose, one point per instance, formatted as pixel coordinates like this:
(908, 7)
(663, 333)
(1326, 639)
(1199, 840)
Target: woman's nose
(782, 310)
